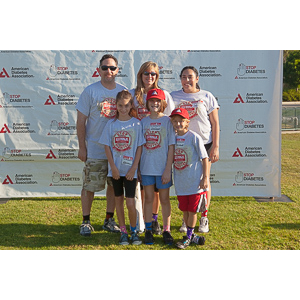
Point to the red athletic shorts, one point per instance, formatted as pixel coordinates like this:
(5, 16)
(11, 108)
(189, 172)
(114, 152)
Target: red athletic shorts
(193, 203)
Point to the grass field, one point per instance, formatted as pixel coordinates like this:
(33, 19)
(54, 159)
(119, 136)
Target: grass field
(235, 222)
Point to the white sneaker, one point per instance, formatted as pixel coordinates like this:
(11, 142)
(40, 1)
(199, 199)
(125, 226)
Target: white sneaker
(203, 227)
(183, 228)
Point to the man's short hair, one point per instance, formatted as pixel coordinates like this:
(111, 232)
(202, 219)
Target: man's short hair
(107, 56)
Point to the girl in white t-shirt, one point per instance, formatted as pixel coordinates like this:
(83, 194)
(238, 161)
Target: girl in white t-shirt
(204, 119)
(123, 139)
(156, 162)
(147, 79)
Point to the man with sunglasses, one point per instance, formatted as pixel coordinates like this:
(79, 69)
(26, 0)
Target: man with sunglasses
(96, 105)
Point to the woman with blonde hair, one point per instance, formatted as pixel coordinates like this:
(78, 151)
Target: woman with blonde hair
(147, 79)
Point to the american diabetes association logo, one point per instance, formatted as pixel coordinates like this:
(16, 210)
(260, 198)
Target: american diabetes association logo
(61, 73)
(248, 179)
(250, 72)
(180, 159)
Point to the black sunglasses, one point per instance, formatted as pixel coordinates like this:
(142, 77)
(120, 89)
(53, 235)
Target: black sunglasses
(105, 68)
(150, 73)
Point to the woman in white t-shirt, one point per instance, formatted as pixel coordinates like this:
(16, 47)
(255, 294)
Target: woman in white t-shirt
(204, 119)
(147, 79)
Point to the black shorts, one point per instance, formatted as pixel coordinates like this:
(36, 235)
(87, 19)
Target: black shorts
(129, 185)
(208, 147)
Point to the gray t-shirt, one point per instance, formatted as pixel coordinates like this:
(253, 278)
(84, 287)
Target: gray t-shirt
(123, 138)
(189, 151)
(99, 105)
(159, 135)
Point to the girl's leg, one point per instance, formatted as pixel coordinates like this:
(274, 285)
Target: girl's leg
(156, 203)
(120, 210)
(164, 195)
(149, 196)
(130, 190)
(131, 211)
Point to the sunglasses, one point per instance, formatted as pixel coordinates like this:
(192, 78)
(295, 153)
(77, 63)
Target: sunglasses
(105, 68)
(149, 73)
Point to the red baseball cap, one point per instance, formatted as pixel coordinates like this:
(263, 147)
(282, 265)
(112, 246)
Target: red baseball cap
(180, 112)
(156, 94)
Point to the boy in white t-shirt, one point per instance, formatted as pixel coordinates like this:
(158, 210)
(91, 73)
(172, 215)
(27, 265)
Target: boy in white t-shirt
(190, 174)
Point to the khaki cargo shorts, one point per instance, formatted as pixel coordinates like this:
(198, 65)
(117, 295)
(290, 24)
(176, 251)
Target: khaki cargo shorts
(94, 175)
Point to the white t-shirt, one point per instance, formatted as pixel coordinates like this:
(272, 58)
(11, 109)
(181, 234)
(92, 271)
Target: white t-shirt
(123, 138)
(159, 135)
(199, 105)
(143, 112)
(188, 171)
(99, 105)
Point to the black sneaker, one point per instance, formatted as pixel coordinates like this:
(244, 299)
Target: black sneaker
(156, 228)
(149, 237)
(199, 240)
(184, 243)
(168, 239)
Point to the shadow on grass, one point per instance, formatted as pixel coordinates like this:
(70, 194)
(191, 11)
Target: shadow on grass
(292, 226)
(42, 236)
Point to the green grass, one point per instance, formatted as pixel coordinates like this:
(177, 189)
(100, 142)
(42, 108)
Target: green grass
(235, 222)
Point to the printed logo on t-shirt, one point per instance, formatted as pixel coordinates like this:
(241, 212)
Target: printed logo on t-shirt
(142, 112)
(180, 159)
(122, 141)
(108, 108)
(153, 139)
(191, 107)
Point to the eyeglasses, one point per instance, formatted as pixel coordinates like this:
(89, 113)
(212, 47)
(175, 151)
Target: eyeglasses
(149, 73)
(105, 68)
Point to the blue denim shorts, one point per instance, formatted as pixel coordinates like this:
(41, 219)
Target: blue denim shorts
(150, 180)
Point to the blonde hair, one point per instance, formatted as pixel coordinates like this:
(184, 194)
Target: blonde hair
(140, 88)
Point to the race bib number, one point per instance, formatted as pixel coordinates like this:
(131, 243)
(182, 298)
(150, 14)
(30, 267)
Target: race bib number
(180, 142)
(127, 160)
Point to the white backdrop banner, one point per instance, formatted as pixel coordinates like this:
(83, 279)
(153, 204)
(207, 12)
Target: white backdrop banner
(39, 91)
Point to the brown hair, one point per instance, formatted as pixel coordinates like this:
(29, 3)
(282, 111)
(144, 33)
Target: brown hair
(107, 56)
(163, 106)
(126, 95)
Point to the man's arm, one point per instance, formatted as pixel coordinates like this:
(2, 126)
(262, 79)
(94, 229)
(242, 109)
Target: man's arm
(81, 127)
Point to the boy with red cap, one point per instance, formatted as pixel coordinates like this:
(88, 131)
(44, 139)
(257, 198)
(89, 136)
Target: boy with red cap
(190, 174)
